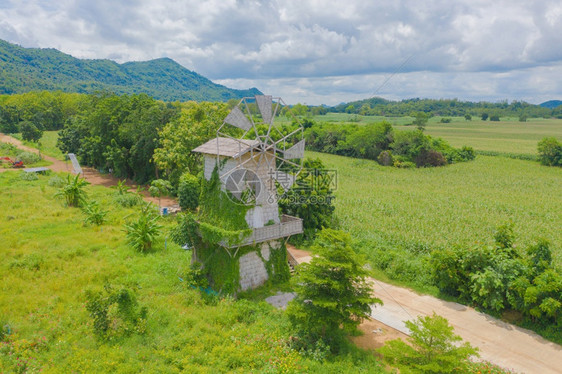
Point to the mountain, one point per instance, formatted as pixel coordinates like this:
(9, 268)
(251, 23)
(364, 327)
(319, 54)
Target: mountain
(551, 104)
(29, 69)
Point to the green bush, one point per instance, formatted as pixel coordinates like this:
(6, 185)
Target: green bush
(56, 181)
(385, 158)
(127, 200)
(29, 176)
(427, 158)
(189, 190)
(115, 313)
(28, 157)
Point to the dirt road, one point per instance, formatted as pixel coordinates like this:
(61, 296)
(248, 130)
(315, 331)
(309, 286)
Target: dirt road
(89, 174)
(501, 343)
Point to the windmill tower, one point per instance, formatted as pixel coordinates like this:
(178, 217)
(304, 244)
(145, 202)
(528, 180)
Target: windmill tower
(257, 161)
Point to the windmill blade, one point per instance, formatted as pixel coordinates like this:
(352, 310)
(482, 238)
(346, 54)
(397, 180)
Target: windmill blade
(296, 151)
(237, 118)
(264, 104)
(285, 180)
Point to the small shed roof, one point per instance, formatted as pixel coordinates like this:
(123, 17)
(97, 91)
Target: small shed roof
(226, 147)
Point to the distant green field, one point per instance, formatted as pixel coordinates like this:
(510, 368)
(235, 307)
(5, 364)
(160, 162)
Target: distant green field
(460, 204)
(506, 136)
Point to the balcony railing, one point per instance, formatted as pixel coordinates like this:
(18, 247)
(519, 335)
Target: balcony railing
(288, 226)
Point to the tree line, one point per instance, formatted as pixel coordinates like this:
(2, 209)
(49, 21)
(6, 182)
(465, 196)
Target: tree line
(381, 142)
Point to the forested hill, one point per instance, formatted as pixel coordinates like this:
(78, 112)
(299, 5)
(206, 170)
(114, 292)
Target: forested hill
(28, 69)
(448, 107)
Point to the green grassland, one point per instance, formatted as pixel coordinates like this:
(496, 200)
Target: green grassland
(48, 144)
(506, 136)
(49, 261)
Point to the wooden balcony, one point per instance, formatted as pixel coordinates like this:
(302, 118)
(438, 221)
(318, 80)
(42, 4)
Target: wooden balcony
(288, 226)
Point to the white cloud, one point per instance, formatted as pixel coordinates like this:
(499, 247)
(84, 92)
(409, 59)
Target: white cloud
(335, 51)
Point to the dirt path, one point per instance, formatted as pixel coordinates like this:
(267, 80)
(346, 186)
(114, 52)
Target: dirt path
(499, 342)
(89, 174)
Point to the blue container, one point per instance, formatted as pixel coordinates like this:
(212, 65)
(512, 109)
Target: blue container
(164, 211)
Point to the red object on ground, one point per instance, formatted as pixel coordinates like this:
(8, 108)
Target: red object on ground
(17, 164)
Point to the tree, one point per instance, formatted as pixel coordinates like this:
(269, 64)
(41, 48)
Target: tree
(332, 290)
(420, 120)
(159, 188)
(196, 125)
(484, 116)
(468, 117)
(311, 198)
(189, 190)
(433, 347)
(550, 152)
(144, 231)
(30, 132)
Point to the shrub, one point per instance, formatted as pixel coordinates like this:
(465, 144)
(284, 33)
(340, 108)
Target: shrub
(115, 313)
(56, 181)
(550, 152)
(143, 232)
(128, 200)
(28, 157)
(468, 117)
(189, 190)
(467, 153)
(385, 158)
(430, 158)
(445, 120)
(494, 118)
(29, 176)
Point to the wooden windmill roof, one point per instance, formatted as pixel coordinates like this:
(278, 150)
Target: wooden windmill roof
(226, 147)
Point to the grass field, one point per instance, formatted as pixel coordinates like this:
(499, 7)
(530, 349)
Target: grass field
(48, 144)
(49, 261)
(506, 136)
(413, 211)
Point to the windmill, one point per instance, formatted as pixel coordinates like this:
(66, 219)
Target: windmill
(258, 161)
(258, 155)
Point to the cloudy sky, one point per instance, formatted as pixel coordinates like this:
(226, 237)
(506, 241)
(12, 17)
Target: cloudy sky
(317, 51)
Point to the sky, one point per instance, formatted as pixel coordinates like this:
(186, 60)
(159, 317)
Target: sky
(318, 52)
